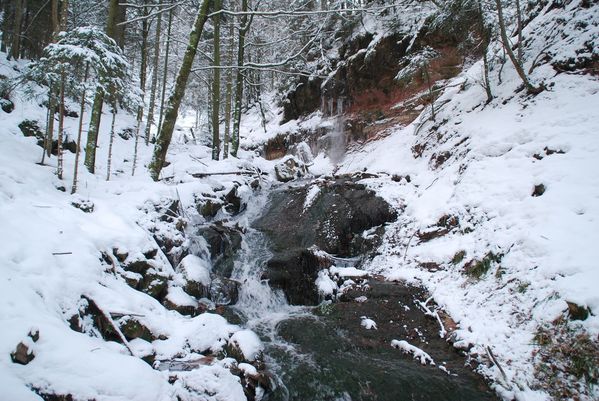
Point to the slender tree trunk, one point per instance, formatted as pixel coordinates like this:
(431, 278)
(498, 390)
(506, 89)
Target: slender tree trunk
(154, 81)
(96, 115)
(519, 28)
(64, 15)
(216, 85)
(50, 127)
(165, 68)
(530, 88)
(485, 39)
(142, 82)
(15, 50)
(166, 131)
(245, 26)
(109, 161)
(229, 94)
(55, 19)
(45, 137)
(61, 126)
(79, 132)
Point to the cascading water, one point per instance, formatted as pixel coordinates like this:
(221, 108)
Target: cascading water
(329, 357)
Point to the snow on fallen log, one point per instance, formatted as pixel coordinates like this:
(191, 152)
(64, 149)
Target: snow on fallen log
(416, 352)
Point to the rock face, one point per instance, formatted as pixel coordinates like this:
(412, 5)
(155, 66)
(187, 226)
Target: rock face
(333, 222)
(223, 241)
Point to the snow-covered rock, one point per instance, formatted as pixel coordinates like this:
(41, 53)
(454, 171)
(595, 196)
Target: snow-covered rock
(416, 352)
(246, 345)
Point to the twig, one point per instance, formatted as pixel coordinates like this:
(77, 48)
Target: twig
(496, 363)
(61, 253)
(408, 245)
(117, 330)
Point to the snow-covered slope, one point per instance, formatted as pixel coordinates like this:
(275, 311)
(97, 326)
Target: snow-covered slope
(500, 214)
(52, 266)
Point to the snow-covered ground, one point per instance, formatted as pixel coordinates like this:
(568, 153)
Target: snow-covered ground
(513, 184)
(471, 180)
(51, 257)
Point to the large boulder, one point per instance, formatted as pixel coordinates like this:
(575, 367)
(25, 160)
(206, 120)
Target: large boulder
(290, 168)
(333, 218)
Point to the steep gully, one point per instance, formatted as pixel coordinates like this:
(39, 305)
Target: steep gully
(316, 348)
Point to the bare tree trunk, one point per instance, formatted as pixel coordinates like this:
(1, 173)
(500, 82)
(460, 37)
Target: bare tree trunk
(55, 18)
(154, 81)
(245, 26)
(109, 162)
(486, 39)
(59, 155)
(50, 126)
(142, 82)
(530, 88)
(96, 116)
(216, 85)
(229, 94)
(519, 27)
(64, 15)
(45, 137)
(15, 50)
(79, 132)
(165, 71)
(166, 131)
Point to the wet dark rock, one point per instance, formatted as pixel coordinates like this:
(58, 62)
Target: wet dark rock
(127, 133)
(209, 208)
(334, 222)
(120, 254)
(186, 310)
(578, 312)
(295, 272)
(233, 205)
(132, 328)
(304, 99)
(34, 335)
(224, 291)
(53, 397)
(437, 160)
(22, 354)
(224, 242)
(7, 105)
(154, 284)
(151, 253)
(86, 206)
(250, 382)
(335, 340)
(538, 190)
(140, 266)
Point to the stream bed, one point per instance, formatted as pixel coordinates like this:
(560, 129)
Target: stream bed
(320, 351)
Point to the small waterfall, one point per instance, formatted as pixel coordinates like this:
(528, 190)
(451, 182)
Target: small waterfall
(261, 305)
(337, 141)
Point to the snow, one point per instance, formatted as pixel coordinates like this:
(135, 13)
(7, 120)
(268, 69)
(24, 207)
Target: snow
(416, 352)
(367, 323)
(348, 271)
(51, 254)
(311, 196)
(547, 242)
(248, 343)
(195, 269)
(325, 285)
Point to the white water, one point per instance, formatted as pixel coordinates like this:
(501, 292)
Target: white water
(262, 306)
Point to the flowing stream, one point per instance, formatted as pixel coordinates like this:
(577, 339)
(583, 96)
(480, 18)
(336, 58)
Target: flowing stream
(326, 356)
